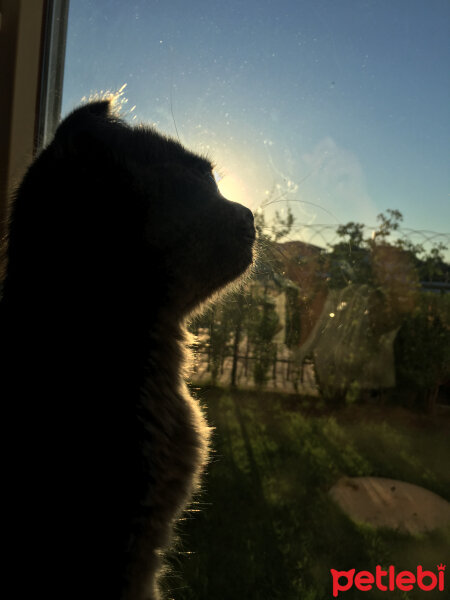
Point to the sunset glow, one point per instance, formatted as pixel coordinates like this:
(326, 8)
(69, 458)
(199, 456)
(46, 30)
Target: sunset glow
(232, 188)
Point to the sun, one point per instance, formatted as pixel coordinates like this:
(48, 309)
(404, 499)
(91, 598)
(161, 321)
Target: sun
(233, 188)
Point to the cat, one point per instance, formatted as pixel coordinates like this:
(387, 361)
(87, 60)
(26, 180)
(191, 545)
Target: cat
(117, 235)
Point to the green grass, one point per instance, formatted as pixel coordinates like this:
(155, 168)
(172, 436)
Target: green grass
(266, 528)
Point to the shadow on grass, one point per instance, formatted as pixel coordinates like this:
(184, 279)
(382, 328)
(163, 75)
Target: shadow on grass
(267, 528)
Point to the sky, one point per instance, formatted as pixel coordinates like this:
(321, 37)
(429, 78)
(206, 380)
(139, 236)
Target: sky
(340, 107)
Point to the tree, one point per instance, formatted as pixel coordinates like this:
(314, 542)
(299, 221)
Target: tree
(292, 317)
(349, 259)
(262, 324)
(433, 266)
(239, 304)
(422, 349)
(387, 224)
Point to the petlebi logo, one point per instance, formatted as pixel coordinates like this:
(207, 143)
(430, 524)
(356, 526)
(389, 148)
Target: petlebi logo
(388, 580)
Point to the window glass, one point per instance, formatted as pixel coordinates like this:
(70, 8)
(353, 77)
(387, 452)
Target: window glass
(344, 104)
(330, 121)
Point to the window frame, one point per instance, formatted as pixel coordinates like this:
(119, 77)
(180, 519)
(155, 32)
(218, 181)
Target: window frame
(32, 53)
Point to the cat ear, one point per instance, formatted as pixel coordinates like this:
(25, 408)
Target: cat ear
(88, 122)
(85, 113)
(100, 108)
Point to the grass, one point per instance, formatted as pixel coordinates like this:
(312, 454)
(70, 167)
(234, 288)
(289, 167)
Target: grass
(266, 528)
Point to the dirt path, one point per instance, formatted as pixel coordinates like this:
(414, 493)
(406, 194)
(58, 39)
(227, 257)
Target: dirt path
(390, 503)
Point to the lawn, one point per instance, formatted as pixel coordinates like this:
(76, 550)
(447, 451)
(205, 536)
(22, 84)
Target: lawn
(264, 526)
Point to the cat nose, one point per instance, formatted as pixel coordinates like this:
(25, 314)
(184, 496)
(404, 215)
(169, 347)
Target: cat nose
(247, 221)
(248, 216)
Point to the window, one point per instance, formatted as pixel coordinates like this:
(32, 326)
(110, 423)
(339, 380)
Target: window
(327, 375)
